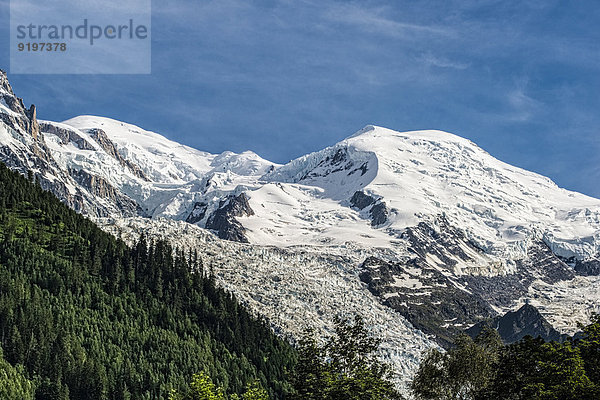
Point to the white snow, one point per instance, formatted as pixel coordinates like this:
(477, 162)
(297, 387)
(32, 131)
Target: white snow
(500, 207)
(417, 174)
(566, 304)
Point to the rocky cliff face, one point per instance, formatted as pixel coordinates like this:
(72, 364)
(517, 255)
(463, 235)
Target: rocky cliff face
(378, 211)
(223, 219)
(23, 149)
(443, 287)
(198, 212)
(19, 116)
(109, 147)
(587, 267)
(515, 325)
(66, 136)
(432, 302)
(100, 188)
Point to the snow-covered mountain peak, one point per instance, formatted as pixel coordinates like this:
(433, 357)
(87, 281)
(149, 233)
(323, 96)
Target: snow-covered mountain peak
(166, 161)
(161, 159)
(416, 176)
(371, 132)
(247, 163)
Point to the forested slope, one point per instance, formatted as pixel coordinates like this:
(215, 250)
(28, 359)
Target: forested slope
(90, 318)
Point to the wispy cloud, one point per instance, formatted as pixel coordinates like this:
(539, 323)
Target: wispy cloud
(376, 20)
(523, 107)
(431, 60)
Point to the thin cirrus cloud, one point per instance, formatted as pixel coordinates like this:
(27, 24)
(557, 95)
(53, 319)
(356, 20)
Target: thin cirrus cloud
(374, 20)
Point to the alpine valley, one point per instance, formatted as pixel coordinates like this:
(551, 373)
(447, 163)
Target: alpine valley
(423, 233)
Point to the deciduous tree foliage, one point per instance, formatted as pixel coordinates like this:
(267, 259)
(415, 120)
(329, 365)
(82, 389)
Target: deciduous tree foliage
(526, 370)
(13, 383)
(346, 367)
(203, 388)
(461, 372)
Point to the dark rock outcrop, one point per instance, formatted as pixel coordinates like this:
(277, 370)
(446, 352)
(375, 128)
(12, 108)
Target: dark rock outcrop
(109, 147)
(441, 240)
(329, 165)
(31, 152)
(428, 292)
(361, 200)
(515, 325)
(223, 219)
(198, 213)
(379, 214)
(24, 119)
(338, 161)
(588, 267)
(502, 290)
(99, 187)
(22, 163)
(66, 136)
(425, 297)
(34, 127)
(4, 83)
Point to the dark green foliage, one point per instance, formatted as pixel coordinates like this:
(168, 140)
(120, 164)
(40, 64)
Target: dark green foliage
(589, 346)
(530, 369)
(344, 368)
(90, 318)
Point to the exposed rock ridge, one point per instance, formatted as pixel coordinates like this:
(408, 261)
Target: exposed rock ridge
(378, 211)
(98, 186)
(431, 301)
(14, 159)
(223, 219)
(23, 118)
(109, 147)
(442, 240)
(441, 289)
(198, 213)
(66, 136)
(515, 325)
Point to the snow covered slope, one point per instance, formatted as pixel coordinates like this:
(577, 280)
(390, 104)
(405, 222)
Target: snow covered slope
(367, 189)
(427, 173)
(162, 177)
(402, 179)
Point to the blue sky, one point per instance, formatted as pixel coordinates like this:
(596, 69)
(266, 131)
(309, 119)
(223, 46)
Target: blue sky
(283, 78)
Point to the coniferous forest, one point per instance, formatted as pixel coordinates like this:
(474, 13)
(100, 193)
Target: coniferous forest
(84, 316)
